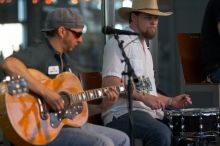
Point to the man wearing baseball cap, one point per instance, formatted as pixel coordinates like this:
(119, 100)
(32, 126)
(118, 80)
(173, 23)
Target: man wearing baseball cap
(148, 104)
(63, 30)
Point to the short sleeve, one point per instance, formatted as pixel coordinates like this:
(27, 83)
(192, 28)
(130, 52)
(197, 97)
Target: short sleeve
(112, 60)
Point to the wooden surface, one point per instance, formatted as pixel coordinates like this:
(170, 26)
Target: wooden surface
(92, 80)
(189, 45)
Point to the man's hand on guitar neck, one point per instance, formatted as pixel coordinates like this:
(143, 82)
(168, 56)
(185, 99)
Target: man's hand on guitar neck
(111, 97)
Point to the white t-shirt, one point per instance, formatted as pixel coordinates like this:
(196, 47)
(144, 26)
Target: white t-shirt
(142, 63)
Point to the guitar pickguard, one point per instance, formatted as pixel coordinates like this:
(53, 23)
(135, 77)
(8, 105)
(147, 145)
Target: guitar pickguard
(69, 113)
(70, 110)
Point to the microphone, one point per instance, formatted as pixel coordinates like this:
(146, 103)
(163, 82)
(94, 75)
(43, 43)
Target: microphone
(110, 30)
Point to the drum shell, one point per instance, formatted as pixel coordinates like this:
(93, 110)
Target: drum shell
(194, 120)
(194, 123)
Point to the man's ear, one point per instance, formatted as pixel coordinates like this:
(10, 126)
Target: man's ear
(61, 31)
(133, 17)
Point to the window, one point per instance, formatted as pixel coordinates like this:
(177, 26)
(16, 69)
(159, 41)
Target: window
(11, 36)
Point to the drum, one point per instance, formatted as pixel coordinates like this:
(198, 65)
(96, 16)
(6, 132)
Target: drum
(194, 120)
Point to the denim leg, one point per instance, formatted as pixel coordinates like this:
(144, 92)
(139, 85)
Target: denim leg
(90, 135)
(150, 130)
(119, 138)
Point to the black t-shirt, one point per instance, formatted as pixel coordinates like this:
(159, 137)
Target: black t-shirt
(211, 37)
(43, 57)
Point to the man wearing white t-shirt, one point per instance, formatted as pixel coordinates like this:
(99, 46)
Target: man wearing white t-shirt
(148, 104)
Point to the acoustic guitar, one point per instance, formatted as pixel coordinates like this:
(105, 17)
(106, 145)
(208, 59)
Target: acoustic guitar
(28, 120)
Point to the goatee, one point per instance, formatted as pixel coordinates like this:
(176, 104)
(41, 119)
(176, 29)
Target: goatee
(149, 34)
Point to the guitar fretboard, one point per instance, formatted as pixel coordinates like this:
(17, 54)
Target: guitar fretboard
(94, 94)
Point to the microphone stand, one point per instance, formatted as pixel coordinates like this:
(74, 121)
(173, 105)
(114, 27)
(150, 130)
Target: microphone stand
(131, 74)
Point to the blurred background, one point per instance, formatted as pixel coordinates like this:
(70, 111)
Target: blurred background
(22, 20)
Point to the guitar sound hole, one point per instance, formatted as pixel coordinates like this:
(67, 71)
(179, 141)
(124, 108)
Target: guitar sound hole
(66, 99)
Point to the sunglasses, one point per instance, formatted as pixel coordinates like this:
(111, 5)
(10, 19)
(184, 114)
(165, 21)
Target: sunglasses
(77, 34)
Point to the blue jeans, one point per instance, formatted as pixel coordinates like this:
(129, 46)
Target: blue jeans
(215, 76)
(150, 130)
(90, 135)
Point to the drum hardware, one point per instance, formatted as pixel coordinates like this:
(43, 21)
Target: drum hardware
(218, 120)
(182, 126)
(197, 140)
(200, 123)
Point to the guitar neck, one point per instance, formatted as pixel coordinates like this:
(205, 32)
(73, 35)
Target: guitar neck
(94, 94)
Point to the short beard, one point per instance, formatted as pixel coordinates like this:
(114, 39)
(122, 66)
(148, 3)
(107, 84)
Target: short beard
(149, 34)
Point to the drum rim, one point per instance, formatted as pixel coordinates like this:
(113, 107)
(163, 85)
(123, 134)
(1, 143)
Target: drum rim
(194, 112)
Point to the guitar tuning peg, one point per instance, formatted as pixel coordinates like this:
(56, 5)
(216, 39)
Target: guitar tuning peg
(7, 78)
(17, 86)
(22, 79)
(25, 89)
(14, 92)
(19, 90)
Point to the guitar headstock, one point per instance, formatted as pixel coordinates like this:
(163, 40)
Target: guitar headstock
(14, 85)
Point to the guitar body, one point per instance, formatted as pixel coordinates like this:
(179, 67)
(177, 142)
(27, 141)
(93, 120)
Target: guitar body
(27, 120)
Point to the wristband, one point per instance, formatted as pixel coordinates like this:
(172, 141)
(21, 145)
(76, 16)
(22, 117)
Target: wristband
(169, 102)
